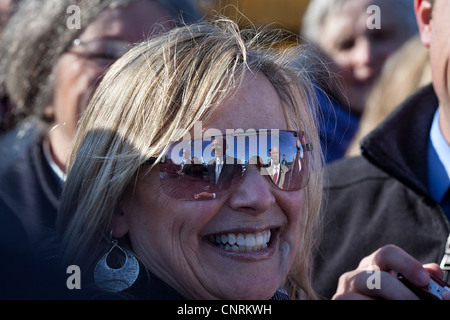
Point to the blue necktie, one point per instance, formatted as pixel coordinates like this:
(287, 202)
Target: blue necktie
(445, 203)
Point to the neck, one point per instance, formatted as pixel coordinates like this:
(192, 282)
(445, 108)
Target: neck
(59, 149)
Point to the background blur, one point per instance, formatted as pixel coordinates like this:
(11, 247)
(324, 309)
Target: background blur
(285, 14)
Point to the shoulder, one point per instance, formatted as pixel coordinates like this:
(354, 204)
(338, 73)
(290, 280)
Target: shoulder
(354, 171)
(355, 187)
(16, 143)
(357, 190)
(231, 160)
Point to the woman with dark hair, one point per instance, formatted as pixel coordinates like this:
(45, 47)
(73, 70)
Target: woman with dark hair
(7, 8)
(49, 70)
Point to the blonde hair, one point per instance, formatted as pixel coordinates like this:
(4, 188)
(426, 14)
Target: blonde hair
(158, 87)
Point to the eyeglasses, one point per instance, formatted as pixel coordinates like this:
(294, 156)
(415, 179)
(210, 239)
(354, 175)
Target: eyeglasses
(102, 50)
(206, 168)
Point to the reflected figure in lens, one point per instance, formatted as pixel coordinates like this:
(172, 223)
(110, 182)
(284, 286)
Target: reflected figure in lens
(194, 168)
(284, 161)
(222, 165)
(269, 161)
(277, 171)
(295, 166)
(186, 158)
(185, 164)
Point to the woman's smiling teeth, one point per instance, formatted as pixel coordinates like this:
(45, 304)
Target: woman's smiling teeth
(241, 241)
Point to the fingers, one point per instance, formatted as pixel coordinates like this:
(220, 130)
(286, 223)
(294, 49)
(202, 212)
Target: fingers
(376, 276)
(446, 295)
(371, 284)
(393, 258)
(434, 269)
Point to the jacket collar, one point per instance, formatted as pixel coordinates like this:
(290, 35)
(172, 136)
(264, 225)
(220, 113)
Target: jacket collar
(398, 146)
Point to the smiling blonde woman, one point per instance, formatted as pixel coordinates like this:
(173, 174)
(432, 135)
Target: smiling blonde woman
(128, 194)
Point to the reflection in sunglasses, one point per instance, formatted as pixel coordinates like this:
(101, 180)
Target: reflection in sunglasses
(204, 169)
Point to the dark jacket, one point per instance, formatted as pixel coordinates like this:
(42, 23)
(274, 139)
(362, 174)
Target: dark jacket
(29, 194)
(382, 197)
(149, 287)
(29, 190)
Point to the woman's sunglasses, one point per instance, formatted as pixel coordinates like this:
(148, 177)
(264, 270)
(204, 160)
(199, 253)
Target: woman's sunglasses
(203, 169)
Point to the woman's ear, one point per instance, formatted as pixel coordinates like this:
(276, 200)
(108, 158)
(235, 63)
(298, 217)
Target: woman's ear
(119, 222)
(424, 9)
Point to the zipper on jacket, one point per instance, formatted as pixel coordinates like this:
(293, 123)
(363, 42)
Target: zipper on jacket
(445, 262)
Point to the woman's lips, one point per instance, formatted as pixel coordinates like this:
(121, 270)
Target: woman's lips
(242, 241)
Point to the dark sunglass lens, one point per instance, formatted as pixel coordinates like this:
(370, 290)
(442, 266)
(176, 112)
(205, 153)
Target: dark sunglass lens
(201, 170)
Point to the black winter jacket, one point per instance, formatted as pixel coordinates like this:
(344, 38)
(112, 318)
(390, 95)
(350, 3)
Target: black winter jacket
(382, 197)
(29, 190)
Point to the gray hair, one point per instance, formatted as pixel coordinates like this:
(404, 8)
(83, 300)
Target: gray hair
(37, 35)
(318, 11)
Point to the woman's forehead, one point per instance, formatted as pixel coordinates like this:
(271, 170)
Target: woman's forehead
(255, 104)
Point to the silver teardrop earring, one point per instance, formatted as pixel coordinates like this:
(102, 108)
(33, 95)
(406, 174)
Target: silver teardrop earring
(116, 279)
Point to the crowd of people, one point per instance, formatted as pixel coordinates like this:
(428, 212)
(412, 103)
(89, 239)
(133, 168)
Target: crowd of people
(170, 156)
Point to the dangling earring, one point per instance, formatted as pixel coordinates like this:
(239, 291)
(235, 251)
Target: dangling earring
(116, 279)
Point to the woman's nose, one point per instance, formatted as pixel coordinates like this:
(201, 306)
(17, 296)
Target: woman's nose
(364, 58)
(254, 193)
